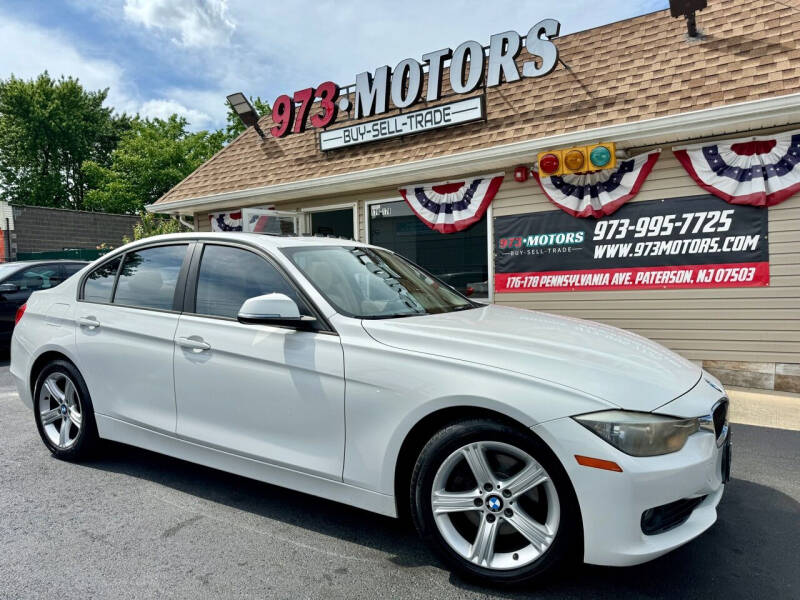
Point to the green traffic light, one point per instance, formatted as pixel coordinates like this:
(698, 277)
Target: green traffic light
(600, 156)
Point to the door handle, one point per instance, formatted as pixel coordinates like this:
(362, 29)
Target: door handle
(90, 322)
(193, 343)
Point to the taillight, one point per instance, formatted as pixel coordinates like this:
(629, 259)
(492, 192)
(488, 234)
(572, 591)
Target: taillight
(469, 291)
(20, 312)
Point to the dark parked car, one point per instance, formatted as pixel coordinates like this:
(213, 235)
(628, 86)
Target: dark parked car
(18, 280)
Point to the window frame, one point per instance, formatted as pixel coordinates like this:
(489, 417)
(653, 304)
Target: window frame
(180, 286)
(193, 275)
(488, 215)
(308, 211)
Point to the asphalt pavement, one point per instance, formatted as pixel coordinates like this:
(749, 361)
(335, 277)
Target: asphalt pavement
(134, 524)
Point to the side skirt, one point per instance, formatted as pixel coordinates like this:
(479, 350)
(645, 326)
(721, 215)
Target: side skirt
(134, 435)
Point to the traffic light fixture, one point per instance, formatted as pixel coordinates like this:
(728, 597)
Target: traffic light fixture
(581, 159)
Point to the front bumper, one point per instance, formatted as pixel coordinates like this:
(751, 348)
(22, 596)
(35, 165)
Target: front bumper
(612, 503)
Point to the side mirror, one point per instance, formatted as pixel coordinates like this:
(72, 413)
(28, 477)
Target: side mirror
(8, 288)
(273, 309)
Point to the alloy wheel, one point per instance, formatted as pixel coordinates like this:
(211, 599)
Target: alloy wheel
(495, 505)
(59, 410)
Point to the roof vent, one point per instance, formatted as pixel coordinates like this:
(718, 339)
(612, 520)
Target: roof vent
(687, 8)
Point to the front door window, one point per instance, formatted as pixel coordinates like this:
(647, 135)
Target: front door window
(228, 276)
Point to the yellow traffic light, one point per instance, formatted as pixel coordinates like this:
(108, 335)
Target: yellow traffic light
(575, 160)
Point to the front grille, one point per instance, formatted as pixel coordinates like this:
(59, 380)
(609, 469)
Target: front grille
(720, 417)
(668, 516)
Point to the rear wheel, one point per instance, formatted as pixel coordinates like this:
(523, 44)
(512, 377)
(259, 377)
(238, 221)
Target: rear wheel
(495, 503)
(64, 412)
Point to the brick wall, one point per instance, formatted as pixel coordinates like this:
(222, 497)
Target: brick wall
(41, 229)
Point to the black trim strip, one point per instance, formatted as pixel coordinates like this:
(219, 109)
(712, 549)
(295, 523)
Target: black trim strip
(180, 286)
(116, 278)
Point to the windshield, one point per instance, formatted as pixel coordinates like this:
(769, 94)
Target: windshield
(368, 283)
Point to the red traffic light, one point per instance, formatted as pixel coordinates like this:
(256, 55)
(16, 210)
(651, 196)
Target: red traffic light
(549, 163)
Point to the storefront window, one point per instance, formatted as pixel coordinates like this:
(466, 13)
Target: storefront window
(337, 223)
(459, 258)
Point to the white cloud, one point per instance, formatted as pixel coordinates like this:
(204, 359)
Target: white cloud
(28, 50)
(163, 108)
(197, 23)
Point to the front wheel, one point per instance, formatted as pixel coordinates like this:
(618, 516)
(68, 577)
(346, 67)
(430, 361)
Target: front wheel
(64, 412)
(495, 503)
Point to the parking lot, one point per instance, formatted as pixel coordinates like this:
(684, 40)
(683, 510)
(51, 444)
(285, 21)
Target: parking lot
(136, 524)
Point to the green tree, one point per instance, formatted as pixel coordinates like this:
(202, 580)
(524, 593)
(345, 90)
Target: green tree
(235, 127)
(151, 225)
(151, 157)
(48, 129)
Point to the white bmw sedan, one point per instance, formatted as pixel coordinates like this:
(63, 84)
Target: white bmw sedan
(515, 440)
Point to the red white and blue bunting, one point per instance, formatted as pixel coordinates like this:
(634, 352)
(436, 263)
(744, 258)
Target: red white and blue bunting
(602, 192)
(452, 206)
(761, 171)
(226, 221)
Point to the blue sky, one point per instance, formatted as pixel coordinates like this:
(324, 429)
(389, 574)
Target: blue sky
(185, 56)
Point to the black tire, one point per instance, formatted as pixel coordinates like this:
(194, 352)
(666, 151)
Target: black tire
(567, 545)
(86, 438)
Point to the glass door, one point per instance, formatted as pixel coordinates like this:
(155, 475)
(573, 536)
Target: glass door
(460, 259)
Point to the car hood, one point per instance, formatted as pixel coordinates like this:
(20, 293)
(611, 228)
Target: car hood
(619, 367)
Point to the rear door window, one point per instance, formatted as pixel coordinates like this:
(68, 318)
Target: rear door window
(148, 277)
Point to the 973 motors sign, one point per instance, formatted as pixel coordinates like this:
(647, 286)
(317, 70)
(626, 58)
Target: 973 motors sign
(386, 89)
(698, 242)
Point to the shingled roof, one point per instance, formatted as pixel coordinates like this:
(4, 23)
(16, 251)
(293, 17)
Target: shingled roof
(624, 72)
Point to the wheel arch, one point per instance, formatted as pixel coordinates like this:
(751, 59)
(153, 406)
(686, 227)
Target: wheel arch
(422, 431)
(41, 361)
(427, 426)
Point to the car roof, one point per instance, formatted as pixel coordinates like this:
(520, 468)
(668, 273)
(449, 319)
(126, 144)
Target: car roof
(260, 239)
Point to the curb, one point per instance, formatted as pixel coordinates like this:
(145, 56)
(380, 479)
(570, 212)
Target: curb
(763, 408)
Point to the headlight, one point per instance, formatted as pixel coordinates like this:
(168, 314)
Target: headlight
(640, 434)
